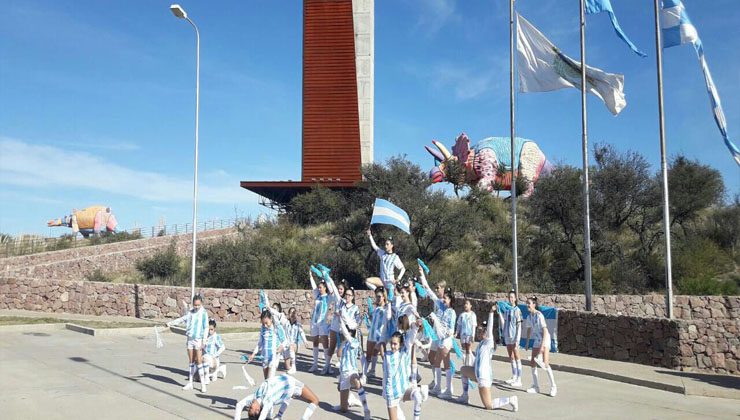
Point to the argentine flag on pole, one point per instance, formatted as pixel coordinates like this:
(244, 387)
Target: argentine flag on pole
(542, 68)
(598, 6)
(678, 30)
(386, 213)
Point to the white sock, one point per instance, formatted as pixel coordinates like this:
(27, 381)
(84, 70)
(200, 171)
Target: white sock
(464, 384)
(519, 368)
(363, 398)
(416, 397)
(309, 411)
(500, 402)
(203, 374)
(535, 378)
(449, 374)
(414, 372)
(513, 369)
(315, 356)
(438, 377)
(375, 363)
(270, 372)
(551, 376)
(291, 355)
(324, 352)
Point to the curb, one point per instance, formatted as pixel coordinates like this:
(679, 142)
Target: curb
(610, 376)
(108, 332)
(32, 327)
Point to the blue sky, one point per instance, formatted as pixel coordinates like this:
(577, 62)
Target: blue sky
(97, 98)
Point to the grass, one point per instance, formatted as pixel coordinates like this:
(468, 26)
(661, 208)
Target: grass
(22, 320)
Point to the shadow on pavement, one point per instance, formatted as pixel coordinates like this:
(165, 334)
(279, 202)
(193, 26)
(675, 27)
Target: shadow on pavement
(170, 369)
(229, 403)
(349, 414)
(160, 378)
(724, 381)
(135, 380)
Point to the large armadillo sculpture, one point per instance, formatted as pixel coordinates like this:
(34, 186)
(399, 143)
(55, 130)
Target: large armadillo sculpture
(90, 220)
(488, 163)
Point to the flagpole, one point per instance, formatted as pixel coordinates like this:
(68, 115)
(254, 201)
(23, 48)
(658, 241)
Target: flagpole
(514, 251)
(584, 144)
(663, 166)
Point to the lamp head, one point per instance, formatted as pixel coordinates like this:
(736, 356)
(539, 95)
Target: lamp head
(178, 11)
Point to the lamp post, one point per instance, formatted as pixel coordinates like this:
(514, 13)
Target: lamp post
(179, 12)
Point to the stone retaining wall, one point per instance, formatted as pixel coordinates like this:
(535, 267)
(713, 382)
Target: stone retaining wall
(701, 343)
(78, 263)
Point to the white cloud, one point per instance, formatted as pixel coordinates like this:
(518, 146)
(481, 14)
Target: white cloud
(464, 82)
(41, 166)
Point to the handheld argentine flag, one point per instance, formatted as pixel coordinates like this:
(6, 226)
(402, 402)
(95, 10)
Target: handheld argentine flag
(386, 213)
(598, 6)
(677, 29)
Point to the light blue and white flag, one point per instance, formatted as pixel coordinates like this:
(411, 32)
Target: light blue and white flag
(598, 6)
(542, 67)
(551, 319)
(678, 30)
(386, 213)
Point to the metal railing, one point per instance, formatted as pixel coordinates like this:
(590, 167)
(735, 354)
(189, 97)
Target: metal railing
(30, 244)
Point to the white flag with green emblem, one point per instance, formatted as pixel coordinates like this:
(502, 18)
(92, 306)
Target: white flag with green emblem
(542, 68)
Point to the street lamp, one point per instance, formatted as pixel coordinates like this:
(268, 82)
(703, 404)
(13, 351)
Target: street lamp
(179, 12)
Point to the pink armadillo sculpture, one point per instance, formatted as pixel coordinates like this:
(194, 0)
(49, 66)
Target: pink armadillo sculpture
(488, 163)
(90, 220)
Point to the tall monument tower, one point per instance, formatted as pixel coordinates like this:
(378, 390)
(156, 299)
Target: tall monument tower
(338, 88)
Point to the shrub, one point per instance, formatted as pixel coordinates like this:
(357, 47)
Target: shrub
(160, 265)
(98, 275)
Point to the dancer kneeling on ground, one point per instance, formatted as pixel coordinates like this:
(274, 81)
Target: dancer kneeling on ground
(481, 371)
(269, 344)
(196, 328)
(540, 347)
(277, 391)
(214, 347)
(396, 375)
(349, 372)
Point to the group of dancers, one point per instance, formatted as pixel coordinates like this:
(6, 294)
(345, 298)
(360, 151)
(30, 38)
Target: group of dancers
(396, 332)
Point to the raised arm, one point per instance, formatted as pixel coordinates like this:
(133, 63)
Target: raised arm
(372, 241)
(424, 283)
(489, 326)
(314, 287)
(182, 320)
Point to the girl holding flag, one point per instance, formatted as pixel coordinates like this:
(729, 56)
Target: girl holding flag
(540, 347)
(196, 330)
(511, 320)
(482, 373)
(389, 262)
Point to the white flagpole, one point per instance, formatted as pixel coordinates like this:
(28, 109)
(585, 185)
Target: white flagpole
(663, 166)
(514, 251)
(584, 126)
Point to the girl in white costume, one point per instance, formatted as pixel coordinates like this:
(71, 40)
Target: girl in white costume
(439, 308)
(270, 344)
(404, 315)
(196, 330)
(512, 334)
(296, 336)
(281, 324)
(376, 337)
(319, 325)
(396, 374)
(213, 349)
(482, 373)
(277, 391)
(540, 347)
(467, 323)
(350, 377)
(335, 339)
(389, 262)
(444, 327)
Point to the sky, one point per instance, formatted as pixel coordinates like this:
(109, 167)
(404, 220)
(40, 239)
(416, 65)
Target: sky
(97, 99)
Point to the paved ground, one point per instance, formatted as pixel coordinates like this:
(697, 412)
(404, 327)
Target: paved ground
(61, 374)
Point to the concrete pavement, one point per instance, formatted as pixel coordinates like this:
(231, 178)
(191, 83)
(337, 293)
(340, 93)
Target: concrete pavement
(62, 374)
